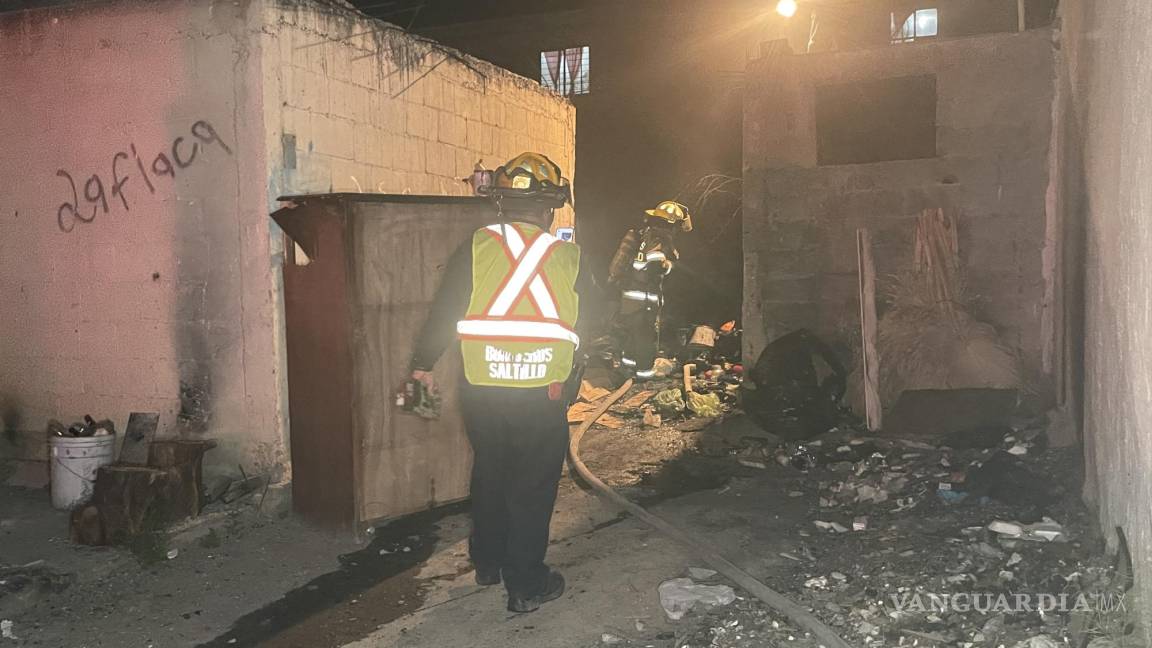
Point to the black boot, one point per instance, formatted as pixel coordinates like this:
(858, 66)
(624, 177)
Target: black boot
(486, 576)
(553, 589)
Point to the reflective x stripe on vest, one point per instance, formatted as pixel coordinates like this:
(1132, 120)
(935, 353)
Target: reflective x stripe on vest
(519, 328)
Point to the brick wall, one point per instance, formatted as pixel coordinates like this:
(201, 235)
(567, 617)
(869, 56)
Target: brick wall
(993, 130)
(169, 298)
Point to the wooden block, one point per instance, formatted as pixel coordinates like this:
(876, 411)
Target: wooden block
(138, 436)
(638, 399)
(590, 394)
(186, 458)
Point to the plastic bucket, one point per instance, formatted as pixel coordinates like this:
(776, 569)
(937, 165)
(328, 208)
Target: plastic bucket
(74, 464)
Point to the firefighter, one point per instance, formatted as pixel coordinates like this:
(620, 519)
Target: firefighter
(515, 297)
(644, 258)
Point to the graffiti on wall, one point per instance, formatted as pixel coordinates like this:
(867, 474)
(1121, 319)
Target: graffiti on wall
(93, 196)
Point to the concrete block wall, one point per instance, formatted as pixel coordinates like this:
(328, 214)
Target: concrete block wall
(374, 109)
(161, 292)
(992, 164)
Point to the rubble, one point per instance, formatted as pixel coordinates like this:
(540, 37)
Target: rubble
(669, 402)
(706, 405)
(679, 595)
(899, 522)
(1047, 530)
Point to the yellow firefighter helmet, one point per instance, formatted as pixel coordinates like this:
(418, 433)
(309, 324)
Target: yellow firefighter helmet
(532, 175)
(674, 213)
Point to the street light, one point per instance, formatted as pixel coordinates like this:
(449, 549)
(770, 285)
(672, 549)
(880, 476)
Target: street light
(786, 8)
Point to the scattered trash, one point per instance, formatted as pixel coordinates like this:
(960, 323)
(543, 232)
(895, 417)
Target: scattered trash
(610, 639)
(707, 405)
(1039, 641)
(860, 523)
(638, 399)
(88, 428)
(679, 595)
(669, 402)
(6, 630)
(172, 553)
(949, 496)
(1004, 478)
(799, 457)
(784, 393)
(987, 550)
(700, 573)
(1047, 530)
(831, 526)
(651, 418)
(664, 367)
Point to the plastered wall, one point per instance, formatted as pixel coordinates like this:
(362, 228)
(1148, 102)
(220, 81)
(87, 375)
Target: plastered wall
(145, 147)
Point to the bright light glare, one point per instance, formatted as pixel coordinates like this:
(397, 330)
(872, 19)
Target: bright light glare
(786, 8)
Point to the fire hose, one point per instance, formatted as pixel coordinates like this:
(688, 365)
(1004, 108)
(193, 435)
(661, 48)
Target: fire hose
(798, 615)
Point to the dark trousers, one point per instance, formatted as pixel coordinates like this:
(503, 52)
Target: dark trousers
(519, 438)
(635, 332)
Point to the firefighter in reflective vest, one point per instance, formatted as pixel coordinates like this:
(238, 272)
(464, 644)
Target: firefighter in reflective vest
(517, 299)
(643, 260)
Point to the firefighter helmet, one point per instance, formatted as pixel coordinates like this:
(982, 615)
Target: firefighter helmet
(672, 212)
(532, 175)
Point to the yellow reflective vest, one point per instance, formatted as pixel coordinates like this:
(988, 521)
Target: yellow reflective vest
(519, 330)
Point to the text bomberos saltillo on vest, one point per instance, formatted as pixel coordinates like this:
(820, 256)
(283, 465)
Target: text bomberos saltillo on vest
(529, 365)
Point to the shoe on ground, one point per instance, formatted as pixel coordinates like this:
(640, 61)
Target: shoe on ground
(486, 576)
(554, 589)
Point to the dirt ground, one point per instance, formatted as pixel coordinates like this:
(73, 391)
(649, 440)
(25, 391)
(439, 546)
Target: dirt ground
(247, 579)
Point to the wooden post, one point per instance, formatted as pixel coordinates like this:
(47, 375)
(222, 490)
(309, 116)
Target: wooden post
(1021, 24)
(868, 329)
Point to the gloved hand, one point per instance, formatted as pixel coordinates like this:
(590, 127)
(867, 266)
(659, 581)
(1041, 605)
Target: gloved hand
(426, 378)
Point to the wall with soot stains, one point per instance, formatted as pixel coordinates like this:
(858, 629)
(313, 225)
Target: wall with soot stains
(134, 264)
(145, 144)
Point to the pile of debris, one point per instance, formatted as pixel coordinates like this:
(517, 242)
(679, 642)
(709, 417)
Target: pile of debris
(962, 543)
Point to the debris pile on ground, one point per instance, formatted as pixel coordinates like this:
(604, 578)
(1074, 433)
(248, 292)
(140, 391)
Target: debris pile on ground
(964, 541)
(911, 543)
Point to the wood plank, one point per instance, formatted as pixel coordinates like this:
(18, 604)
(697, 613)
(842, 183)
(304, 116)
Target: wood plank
(405, 463)
(320, 368)
(138, 437)
(639, 399)
(868, 329)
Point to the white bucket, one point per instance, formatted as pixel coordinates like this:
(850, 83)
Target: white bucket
(74, 464)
